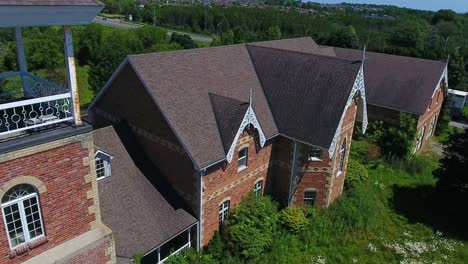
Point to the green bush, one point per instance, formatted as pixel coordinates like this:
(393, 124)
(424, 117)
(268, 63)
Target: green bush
(465, 112)
(293, 218)
(364, 151)
(191, 257)
(250, 228)
(138, 257)
(416, 165)
(356, 172)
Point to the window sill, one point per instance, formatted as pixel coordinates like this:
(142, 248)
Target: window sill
(26, 247)
(241, 168)
(339, 173)
(315, 159)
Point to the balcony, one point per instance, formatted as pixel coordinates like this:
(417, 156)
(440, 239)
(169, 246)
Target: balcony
(28, 102)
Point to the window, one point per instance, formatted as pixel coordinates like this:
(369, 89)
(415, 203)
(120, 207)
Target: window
(223, 211)
(431, 127)
(315, 154)
(258, 188)
(103, 165)
(419, 139)
(22, 215)
(342, 156)
(242, 161)
(309, 197)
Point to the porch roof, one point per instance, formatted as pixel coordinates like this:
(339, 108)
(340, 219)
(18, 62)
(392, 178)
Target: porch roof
(25, 13)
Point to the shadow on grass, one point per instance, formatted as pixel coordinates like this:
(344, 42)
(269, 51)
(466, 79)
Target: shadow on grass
(440, 210)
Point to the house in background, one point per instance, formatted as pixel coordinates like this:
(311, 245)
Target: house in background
(220, 123)
(49, 198)
(458, 101)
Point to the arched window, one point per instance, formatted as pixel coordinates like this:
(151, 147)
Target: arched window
(22, 215)
(431, 127)
(419, 139)
(342, 156)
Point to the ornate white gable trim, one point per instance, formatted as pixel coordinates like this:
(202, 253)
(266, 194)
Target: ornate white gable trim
(249, 119)
(358, 87)
(443, 77)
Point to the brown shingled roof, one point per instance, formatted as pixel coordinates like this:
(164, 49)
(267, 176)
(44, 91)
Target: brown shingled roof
(139, 216)
(50, 3)
(307, 93)
(397, 82)
(193, 87)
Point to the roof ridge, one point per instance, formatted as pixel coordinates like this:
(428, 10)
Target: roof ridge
(304, 53)
(391, 55)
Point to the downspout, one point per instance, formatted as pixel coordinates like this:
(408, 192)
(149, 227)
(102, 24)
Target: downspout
(200, 173)
(293, 167)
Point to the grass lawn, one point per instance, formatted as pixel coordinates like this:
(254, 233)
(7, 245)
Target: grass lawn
(386, 219)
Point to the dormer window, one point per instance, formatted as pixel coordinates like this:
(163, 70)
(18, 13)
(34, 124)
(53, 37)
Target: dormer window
(315, 154)
(242, 161)
(103, 165)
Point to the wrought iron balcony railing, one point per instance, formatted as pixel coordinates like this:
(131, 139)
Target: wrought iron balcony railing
(29, 102)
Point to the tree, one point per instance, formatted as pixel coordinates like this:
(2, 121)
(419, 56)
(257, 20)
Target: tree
(184, 40)
(457, 73)
(273, 33)
(345, 37)
(398, 141)
(249, 229)
(445, 116)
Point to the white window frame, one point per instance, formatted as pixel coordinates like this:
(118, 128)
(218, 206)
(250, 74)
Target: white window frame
(24, 222)
(308, 199)
(258, 188)
(342, 157)
(419, 139)
(243, 159)
(312, 154)
(106, 159)
(223, 211)
(430, 132)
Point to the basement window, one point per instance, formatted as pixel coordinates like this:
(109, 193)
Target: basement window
(309, 198)
(242, 161)
(258, 188)
(103, 165)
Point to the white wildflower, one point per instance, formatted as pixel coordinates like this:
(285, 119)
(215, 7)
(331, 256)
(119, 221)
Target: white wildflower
(372, 248)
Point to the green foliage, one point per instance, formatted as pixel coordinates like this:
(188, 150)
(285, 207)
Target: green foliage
(184, 40)
(344, 36)
(398, 141)
(191, 257)
(364, 151)
(293, 219)
(457, 73)
(249, 229)
(273, 33)
(356, 172)
(453, 175)
(465, 112)
(445, 117)
(414, 165)
(137, 258)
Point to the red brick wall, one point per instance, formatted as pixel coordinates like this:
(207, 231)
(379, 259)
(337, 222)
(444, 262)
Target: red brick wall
(433, 109)
(64, 203)
(96, 255)
(316, 175)
(152, 131)
(346, 132)
(226, 182)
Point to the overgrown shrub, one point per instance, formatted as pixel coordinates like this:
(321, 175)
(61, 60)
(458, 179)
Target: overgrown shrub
(250, 227)
(364, 151)
(355, 210)
(191, 257)
(138, 257)
(356, 172)
(216, 247)
(399, 141)
(416, 165)
(293, 218)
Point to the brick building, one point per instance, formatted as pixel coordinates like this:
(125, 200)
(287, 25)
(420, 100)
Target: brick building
(49, 199)
(220, 123)
(398, 84)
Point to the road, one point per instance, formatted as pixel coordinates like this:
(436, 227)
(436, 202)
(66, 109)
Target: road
(458, 125)
(119, 24)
